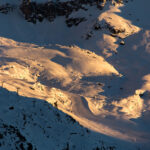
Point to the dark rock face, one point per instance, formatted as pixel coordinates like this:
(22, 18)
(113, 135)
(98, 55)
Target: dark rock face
(34, 12)
(10, 136)
(74, 21)
(5, 8)
(50, 10)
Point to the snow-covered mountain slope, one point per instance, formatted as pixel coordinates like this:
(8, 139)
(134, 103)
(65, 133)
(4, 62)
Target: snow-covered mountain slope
(96, 71)
(33, 124)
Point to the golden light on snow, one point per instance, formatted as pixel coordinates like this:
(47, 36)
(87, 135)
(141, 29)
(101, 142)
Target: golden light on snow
(100, 86)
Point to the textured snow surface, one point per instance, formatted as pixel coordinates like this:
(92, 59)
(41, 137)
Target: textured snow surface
(28, 123)
(102, 81)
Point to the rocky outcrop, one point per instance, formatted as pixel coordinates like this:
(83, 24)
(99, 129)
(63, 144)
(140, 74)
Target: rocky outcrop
(10, 136)
(6, 8)
(50, 10)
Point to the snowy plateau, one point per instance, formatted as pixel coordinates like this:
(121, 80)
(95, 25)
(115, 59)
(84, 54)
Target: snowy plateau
(74, 74)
